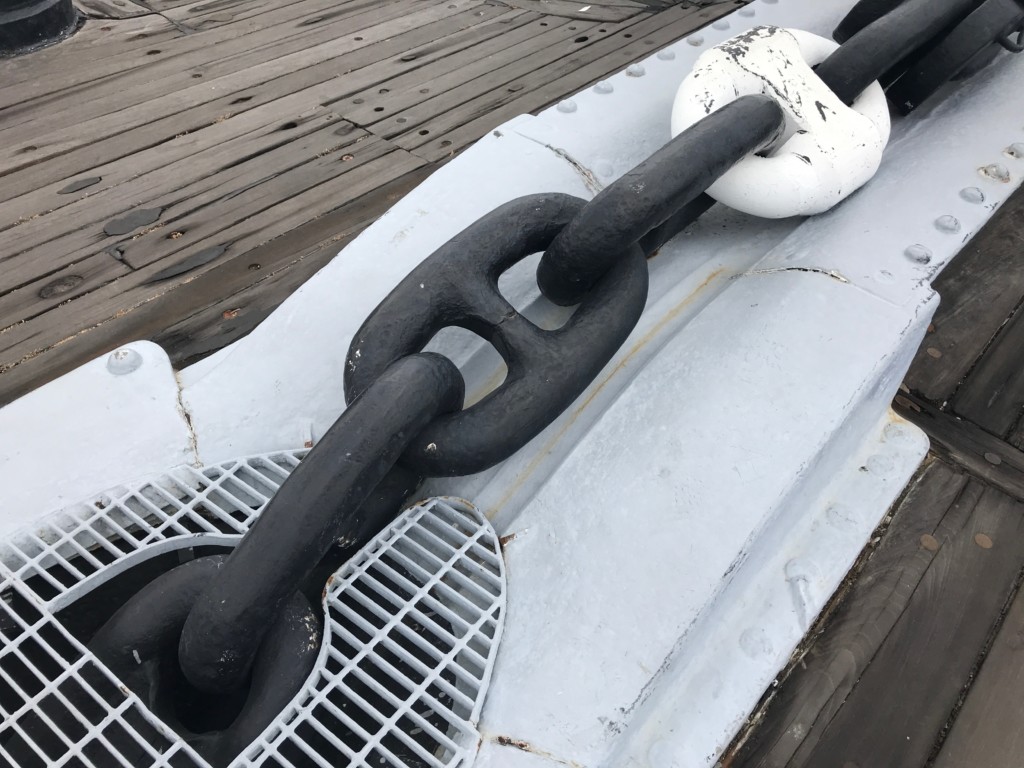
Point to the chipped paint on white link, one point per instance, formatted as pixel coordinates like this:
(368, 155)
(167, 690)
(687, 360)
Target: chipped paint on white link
(829, 149)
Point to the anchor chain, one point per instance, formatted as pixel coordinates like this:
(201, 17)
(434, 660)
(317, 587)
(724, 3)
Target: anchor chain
(229, 622)
(959, 40)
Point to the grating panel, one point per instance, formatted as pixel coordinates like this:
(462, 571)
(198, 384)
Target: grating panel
(411, 627)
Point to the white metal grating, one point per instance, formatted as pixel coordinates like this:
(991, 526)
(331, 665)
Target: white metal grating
(411, 628)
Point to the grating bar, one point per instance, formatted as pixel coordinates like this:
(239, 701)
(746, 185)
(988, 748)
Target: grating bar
(412, 625)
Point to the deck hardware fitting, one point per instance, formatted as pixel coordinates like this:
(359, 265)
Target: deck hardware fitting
(122, 361)
(918, 253)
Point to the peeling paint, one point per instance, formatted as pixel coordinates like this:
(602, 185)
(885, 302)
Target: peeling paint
(813, 270)
(525, 746)
(589, 179)
(193, 440)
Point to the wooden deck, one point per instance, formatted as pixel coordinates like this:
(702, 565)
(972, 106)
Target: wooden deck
(176, 169)
(917, 664)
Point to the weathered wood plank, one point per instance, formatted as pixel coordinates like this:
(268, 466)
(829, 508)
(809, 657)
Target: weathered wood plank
(984, 456)
(109, 312)
(987, 730)
(880, 684)
(121, 61)
(319, 83)
(559, 79)
(228, 139)
(255, 202)
(30, 142)
(54, 288)
(992, 395)
(207, 14)
(901, 703)
(979, 290)
(584, 11)
(816, 687)
(182, 219)
(452, 89)
(374, 104)
(1016, 436)
(234, 314)
(183, 225)
(98, 40)
(224, 138)
(79, 229)
(111, 9)
(216, 54)
(179, 161)
(186, 157)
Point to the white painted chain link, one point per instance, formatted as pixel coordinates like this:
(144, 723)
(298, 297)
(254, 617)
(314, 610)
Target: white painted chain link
(829, 149)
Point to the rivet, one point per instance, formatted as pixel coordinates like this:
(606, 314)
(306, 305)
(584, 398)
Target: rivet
(983, 541)
(996, 171)
(972, 195)
(948, 224)
(695, 40)
(918, 253)
(896, 434)
(800, 575)
(635, 70)
(993, 458)
(567, 106)
(603, 87)
(929, 542)
(746, 11)
(124, 360)
(841, 516)
(933, 352)
(666, 55)
(660, 755)
(1016, 150)
(880, 465)
(754, 642)
(721, 24)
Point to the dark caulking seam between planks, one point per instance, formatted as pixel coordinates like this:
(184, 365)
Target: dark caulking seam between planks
(821, 624)
(972, 676)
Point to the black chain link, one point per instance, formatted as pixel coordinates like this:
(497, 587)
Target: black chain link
(626, 212)
(1007, 41)
(404, 420)
(139, 641)
(547, 370)
(959, 41)
(883, 44)
(321, 502)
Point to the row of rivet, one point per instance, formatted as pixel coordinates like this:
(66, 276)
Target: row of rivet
(948, 223)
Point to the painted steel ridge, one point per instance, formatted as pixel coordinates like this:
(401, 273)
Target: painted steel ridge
(671, 537)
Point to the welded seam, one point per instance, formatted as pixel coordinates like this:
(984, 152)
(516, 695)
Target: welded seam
(589, 179)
